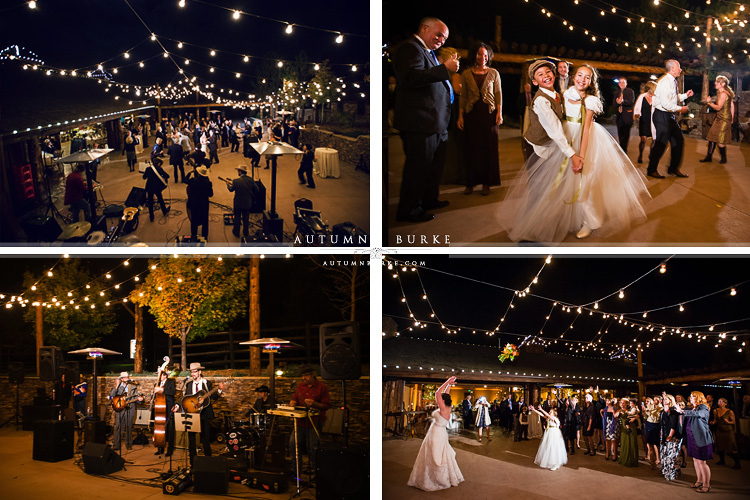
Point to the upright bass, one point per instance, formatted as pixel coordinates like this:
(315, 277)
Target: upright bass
(160, 409)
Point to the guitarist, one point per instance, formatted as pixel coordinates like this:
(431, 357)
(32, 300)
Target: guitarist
(124, 418)
(198, 383)
(166, 385)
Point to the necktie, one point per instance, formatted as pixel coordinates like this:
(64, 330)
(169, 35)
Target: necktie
(450, 89)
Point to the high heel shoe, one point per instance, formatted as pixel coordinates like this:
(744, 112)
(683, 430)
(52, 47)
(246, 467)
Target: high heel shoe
(697, 485)
(701, 490)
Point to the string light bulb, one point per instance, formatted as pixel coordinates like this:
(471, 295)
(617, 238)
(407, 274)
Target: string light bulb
(340, 38)
(288, 29)
(32, 5)
(181, 3)
(236, 15)
(663, 268)
(733, 292)
(621, 294)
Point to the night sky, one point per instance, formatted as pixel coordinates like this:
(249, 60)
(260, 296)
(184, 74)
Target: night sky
(582, 280)
(290, 295)
(78, 35)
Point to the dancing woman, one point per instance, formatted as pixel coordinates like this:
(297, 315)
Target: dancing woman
(610, 192)
(721, 130)
(436, 467)
(670, 437)
(551, 453)
(483, 420)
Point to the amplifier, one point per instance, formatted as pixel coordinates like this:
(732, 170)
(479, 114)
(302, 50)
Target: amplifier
(179, 482)
(269, 482)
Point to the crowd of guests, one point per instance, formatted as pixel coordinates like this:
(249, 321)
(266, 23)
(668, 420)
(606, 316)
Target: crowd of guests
(667, 428)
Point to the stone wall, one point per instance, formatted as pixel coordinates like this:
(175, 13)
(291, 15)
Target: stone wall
(238, 397)
(349, 149)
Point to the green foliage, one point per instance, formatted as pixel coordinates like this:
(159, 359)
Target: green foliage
(188, 303)
(70, 321)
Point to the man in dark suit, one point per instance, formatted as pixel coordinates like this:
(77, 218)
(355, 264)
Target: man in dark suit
(423, 110)
(572, 424)
(156, 181)
(242, 187)
(624, 100)
(466, 412)
(198, 383)
(563, 79)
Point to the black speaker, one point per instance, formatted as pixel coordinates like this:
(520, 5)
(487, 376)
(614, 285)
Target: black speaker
(210, 475)
(53, 440)
(32, 414)
(136, 197)
(72, 372)
(94, 431)
(274, 458)
(342, 473)
(347, 234)
(339, 351)
(258, 203)
(100, 459)
(15, 373)
(41, 228)
(273, 226)
(50, 363)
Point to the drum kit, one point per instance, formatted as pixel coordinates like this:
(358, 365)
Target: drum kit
(244, 434)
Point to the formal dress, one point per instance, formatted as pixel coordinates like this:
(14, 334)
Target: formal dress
(628, 441)
(436, 467)
(644, 110)
(610, 190)
(721, 130)
(551, 453)
(480, 101)
(535, 426)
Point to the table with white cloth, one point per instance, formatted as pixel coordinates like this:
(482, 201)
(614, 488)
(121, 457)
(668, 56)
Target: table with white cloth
(327, 164)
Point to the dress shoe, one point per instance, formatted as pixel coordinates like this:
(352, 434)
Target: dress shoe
(655, 175)
(159, 451)
(168, 454)
(584, 232)
(485, 190)
(468, 190)
(421, 216)
(437, 204)
(677, 173)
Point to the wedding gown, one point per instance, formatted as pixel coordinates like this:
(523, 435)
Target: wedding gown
(551, 453)
(611, 191)
(436, 467)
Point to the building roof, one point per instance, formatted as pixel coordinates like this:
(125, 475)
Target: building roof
(421, 359)
(30, 99)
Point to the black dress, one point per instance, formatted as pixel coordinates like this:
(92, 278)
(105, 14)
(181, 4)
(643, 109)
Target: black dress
(481, 161)
(644, 122)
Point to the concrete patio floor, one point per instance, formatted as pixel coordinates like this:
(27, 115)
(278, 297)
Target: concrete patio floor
(709, 208)
(504, 469)
(25, 478)
(339, 200)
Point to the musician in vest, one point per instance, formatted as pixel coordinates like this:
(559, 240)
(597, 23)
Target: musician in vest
(193, 386)
(123, 395)
(539, 206)
(167, 385)
(312, 394)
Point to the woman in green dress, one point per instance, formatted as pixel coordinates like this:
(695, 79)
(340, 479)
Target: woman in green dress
(629, 423)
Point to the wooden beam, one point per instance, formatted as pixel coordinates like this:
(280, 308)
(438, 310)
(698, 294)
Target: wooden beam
(699, 377)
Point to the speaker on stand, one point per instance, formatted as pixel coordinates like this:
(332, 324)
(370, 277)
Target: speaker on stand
(340, 358)
(15, 376)
(50, 363)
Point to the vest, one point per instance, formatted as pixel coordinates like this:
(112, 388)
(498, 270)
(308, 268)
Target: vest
(536, 134)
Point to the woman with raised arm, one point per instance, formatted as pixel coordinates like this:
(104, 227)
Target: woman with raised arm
(551, 453)
(436, 467)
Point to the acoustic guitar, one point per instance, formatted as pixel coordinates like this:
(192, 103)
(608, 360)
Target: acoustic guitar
(196, 402)
(160, 411)
(120, 403)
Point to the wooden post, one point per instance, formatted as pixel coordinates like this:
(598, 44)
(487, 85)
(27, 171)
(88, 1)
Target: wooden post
(254, 277)
(39, 329)
(138, 365)
(158, 104)
(641, 384)
(498, 32)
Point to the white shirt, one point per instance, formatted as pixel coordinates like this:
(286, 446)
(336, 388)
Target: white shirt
(666, 97)
(553, 126)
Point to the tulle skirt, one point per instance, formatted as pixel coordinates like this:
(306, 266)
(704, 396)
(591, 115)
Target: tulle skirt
(613, 191)
(551, 453)
(542, 203)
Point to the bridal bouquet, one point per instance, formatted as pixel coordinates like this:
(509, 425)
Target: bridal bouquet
(510, 352)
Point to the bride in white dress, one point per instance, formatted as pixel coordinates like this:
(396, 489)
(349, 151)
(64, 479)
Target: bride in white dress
(551, 453)
(436, 467)
(610, 190)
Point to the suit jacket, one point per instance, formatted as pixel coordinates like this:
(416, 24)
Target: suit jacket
(624, 110)
(423, 103)
(242, 187)
(207, 413)
(153, 183)
(559, 87)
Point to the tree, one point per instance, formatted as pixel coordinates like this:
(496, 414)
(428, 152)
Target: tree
(322, 88)
(347, 284)
(191, 297)
(74, 311)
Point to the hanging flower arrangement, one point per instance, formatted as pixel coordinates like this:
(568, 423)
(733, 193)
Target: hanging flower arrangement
(510, 352)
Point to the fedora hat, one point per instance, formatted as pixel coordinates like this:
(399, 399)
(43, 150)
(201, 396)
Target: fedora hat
(538, 64)
(196, 366)
(202, 171)
(241, 168)
(124, 375)
(263, 388)
(306, 369)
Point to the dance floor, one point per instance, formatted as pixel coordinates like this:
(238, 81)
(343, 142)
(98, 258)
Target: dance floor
(504, 469)
(709, 208)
